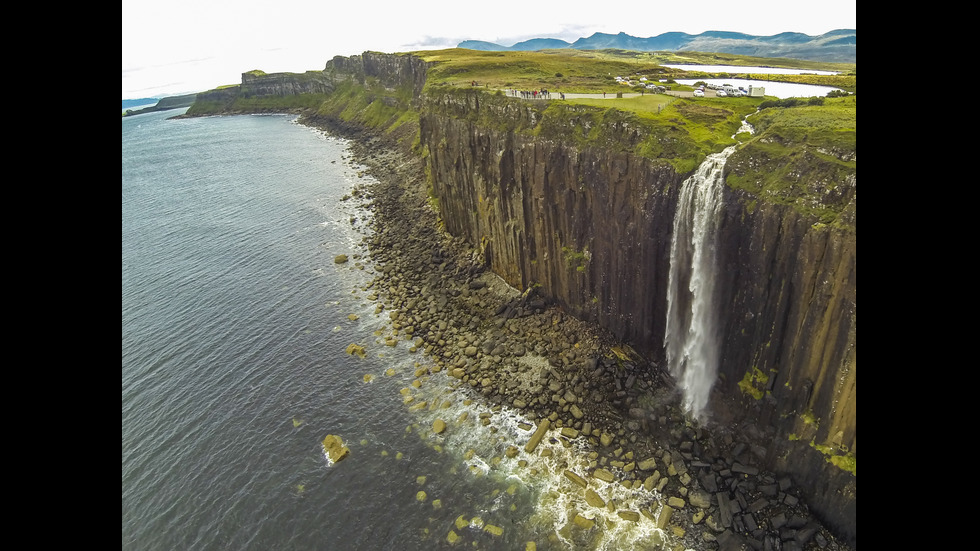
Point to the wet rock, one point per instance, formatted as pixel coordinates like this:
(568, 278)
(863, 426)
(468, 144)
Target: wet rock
(593, 498)
(631, 516)
(334, 447)
(604, 475)
(583, 522)
(664, 518)
(576, 479)
(537, 436)
(357, 349)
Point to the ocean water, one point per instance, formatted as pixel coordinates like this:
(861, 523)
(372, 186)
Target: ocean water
(235, 321)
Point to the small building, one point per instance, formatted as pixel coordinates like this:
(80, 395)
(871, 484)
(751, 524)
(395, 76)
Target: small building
(756, 91)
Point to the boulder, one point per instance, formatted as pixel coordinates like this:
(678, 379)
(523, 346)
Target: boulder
(583, 522)
(577, 479)
(356, 349)
(632, 516)
(604, 475)
(537, 436)
(334, 447)
(593, 498)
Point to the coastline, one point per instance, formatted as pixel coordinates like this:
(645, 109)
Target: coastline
(569, 377)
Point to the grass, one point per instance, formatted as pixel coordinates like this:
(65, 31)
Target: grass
(594, 71)
(799, 156)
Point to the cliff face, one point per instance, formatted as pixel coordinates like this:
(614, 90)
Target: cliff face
(589, 228)
(284, 84)
(593, 228)
(391, 70)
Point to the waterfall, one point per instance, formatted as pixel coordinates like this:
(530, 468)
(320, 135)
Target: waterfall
(691, 338)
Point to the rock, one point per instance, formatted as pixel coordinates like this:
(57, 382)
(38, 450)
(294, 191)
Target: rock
(438, 426)
(420, 496)
(334, 447)
(491, 529)
(537, 436)
(745, 469)
(664, 517)
(340, 259)
(648, 464)
(632, 516)
(453, 537)
(699, 498)
(356, 349)
(652, 480)
(724, 509)
(676, 502)
(604, 475)
(569, 432)
(583, 522)
(576, 412)
(593, 498)
(577, 479)
(605, 439)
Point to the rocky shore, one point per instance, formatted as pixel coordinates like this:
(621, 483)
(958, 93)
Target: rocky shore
(574, 379)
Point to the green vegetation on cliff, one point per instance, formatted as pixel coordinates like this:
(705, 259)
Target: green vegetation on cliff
(227, 101)
(804, 156)
(373, 106)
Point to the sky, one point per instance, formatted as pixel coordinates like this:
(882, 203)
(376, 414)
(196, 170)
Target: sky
(186, 46)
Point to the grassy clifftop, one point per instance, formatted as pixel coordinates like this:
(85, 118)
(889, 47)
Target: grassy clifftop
(801, 155)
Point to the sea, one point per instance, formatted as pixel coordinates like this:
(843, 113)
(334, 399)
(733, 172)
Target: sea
(236, 324)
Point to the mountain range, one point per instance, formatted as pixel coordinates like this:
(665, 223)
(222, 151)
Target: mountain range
(835, 46)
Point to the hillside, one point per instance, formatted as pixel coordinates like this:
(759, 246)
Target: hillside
(835, 46)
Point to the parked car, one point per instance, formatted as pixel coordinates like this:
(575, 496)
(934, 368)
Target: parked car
(721, 93)
(699, 93)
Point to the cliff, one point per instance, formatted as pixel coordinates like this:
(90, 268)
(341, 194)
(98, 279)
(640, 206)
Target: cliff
(579, 203)
(592, 226)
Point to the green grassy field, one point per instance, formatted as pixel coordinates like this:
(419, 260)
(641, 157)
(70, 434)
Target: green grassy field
(594, 71)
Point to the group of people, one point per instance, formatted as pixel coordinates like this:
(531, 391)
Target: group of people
(534, 94)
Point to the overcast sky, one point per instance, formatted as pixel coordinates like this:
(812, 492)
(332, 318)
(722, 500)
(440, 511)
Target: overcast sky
(184, 46)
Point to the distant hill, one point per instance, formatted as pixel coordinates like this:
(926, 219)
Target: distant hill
(835, 46)
(135, 102)
(172, 102)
